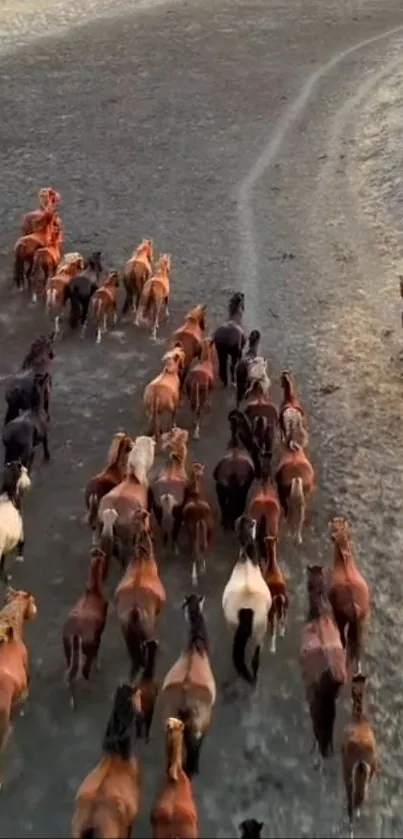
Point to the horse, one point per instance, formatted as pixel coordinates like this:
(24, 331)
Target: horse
(146, 690)
(162, 395)
(23, 435)
(48, 198)
(197, 520)
(16, 481)
(108, 800)
(137, 271)
(140, 595)
(199, 383)
(21, 392)
(26, 247)
(295, 479)
(81, 290)
(110, 477)
(82, 631)
(168, 490)
(190, 336)
(242, 369)
(263, 504)
(359, 753)
(117, 508)
(155, 296)
(246, 603)
(260, 410)
(233, 476)
(103, 304)
(292, 416)
(229, 339)
(57, 287)
(189, 688)
(275, 579)
(348, 593)
(322, 659)
(14, 663)
(174, 812)
(45, 262)
(251, 829)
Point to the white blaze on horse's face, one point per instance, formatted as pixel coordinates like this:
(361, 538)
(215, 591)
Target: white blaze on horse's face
(24, 481)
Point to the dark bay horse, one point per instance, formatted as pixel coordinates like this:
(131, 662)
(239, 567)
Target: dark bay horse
(81, 289)
(33, 378)
(229, 338)
(233, 475)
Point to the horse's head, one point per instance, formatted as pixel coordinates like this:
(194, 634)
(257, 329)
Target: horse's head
(25, 598)
(145, 248)
(286, 380)
(236, 304)
(41, 350)
(315, 581)
(177, 353)
(358, 684)
(112, 280)
(198, 315)
(251, 829)
(241, 427)
(197, 472)
(48, 198)
(245, 528)
(254, 339)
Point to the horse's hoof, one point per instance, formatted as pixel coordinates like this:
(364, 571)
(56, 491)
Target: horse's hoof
(19, 558)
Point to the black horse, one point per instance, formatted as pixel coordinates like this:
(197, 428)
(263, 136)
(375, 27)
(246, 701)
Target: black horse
(229, 338)
(24, 434)
(81, 288)
(33, 382)
(234, 473)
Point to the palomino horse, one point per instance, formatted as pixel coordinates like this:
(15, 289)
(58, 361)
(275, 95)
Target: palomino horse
(146, 689)
(110, 477)
(162, 395)
(48, 199)
(233, 476)
(190, 335)
(251, 829)
(229, 339)
(197, 520)
(174, 812)
(155, 296)
(137, 271)
(246, 602)
(358, 752)
(348, 593)
(295, 479)
(168, 489)
(117, 508)
(46, 261)
(84, 627)
(104, 303)
(57, 287)
(140, 595)
(14, 666)
(189, 689)
(21, 390)
(26, 247)
(262, 504)
(275, 579)
(199, 383)
(242, 370)
(292, 414)
(16, 481)
(81, 290)
(323, 660)
(108, 800)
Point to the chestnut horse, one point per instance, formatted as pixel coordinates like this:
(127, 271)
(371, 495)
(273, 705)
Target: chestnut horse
(162, 395)
(275, 579)
(140, 595)
(292, 414)
(110, 477)
(359, 753)
(190, 336)
(155, 296)
(48, 199)
(263, 504)
(295, 479)
(26, 247)
(137, 271)
(174, 812)
(108, 800)
(262, 414)
(197, 520)
(348, 593)
(323, 660)
(168, 490)
(46, 261)
(233, 476)
(199, 383)
(189, 689)
(14, 666)
(103, 305)
(229, 339)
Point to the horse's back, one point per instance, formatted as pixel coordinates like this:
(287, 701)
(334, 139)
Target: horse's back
(235, 464)
(288, 470)
(190, 672)
(321, 650)
(11, 526)
(229, 335)
(350, 596)
(169, 486)
(246, 589)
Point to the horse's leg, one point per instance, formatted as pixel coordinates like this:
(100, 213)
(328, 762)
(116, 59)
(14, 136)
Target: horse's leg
(222, 499)
(3, 576)
(84, 306)
(255, 663)
(156, 324)
(273, 630)
(353, 634)
(177, 524)
(235, 357)
(45, 446)
(222, 365)
(166, 304)
(129, 302)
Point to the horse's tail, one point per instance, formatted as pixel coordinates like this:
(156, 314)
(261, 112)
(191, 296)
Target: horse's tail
(296, 505)
(90, 832)
(18, 273)
(359, 783)
(147, 300)
(167, 505)
(135, 628)
(51, 298)
(201, 540)
(75, 308)
(241, 637)
(195, 398)
(75, 658)
(108, 518)
(96, 306)
(192, 740)
(323, 712)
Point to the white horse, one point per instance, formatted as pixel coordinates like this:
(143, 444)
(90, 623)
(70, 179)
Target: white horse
(246, 602)
(16, 481)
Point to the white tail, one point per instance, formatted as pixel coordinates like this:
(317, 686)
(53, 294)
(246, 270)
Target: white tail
(167, 504)
(296, 508)
(108, 519)
(51, 297)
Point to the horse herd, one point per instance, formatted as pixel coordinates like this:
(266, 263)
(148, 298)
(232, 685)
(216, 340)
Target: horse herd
(265, 484)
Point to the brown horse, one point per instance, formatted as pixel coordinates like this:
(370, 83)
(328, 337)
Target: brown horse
(137, 271)
(262, 415)
(323, 660)
(146, 689)
(110, 477)
(14, 666)
(197, 520)
(230, 339)
(46, 261)
(57, 287)
(174, 812)
(189, 689)
(263, 504)
(162, 395)
(190, 335)
(348, 593)
(233, 476)
(26, 247)
(48, 199)
(108, 800)
(84, 627)
(292, 414)
(295, 479)
(199, 383)
(359, 753)
(103, 305)
(140, 595)
(275, 579)
(168, 489)
(155, 296)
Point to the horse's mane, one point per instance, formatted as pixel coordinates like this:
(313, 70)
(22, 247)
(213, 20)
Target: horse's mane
(144, 548)
(143, 246)
(8, 621)
(36, 347)
(198, 638)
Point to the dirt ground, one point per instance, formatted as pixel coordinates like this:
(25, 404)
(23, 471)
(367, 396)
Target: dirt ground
(189, 123)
